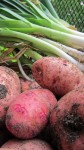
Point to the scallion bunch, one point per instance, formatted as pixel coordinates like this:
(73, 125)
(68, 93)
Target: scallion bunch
(31, 29)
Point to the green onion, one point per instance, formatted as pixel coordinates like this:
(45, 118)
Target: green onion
(32, 54)
(36, 25)
(68, 39)
(40, 13)
(42, 45)
(77, 54)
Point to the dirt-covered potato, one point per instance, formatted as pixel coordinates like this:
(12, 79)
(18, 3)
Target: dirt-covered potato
(28, 115)
(57, 74)
(9, 89)
(67, 121)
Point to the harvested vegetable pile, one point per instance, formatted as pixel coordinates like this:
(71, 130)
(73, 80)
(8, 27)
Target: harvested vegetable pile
(42, 107)
(47, 116)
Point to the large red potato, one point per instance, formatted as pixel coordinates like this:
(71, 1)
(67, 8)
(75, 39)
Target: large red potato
(33, 144)
(57, 74)
(28, 114)
(9, 89)
(67, 121)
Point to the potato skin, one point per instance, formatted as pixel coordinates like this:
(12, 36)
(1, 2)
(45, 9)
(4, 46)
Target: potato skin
(7, 149)
(9, 89)
(57, 74)
(33, 144)
(67, 121)
(28, 85)
(29, 113)
(47, 96)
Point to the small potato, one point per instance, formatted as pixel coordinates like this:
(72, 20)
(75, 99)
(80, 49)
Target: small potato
(57, 74)
(9, 89)
(28, 85)
(33, 144)
(67, 121)
(29, 113)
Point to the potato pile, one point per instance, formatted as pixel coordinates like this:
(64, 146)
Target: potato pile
(46, 113)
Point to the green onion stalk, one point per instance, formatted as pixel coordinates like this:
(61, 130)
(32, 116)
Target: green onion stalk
(77, 54)
(27, 27)
(41, 14)
(53, 24)
(52, 10)
(40, 44)
(38, 25)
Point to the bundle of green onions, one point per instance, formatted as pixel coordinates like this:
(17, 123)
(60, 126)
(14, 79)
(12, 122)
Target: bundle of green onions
(31, 29)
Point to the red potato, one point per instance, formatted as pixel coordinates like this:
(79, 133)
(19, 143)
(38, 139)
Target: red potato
(28, 114)
(33, 144)
(28, 85)
(57, 75)
(67, 121)
(9, 89)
